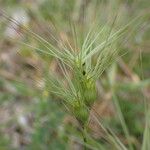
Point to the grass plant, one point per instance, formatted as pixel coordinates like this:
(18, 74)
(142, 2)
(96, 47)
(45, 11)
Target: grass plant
(82, 60)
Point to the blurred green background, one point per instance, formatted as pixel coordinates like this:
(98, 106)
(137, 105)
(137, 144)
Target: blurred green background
(31, 117)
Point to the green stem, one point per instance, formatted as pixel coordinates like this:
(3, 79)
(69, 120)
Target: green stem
(84, 137)
(85, 141)
(122, 120)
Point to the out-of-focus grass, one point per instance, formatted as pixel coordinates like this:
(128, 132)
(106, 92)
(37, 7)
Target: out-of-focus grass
(48, 117)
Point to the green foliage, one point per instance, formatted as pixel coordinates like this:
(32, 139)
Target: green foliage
(48, 120)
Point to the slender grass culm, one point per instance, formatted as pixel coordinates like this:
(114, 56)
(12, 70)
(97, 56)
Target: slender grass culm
(82, 64)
